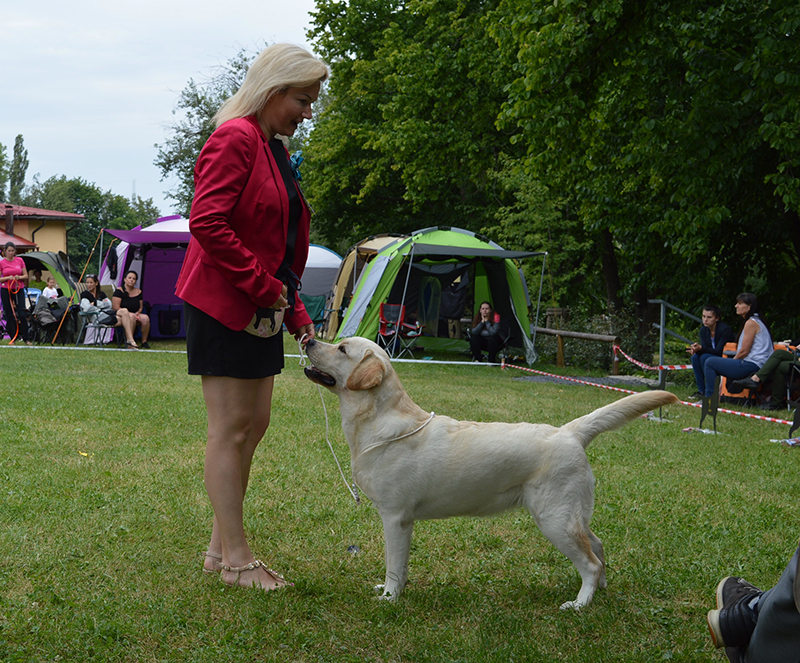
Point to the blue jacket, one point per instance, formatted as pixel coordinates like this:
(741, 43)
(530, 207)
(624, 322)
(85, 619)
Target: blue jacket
(724, 334)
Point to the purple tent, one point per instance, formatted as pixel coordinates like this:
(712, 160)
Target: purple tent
(156, 254)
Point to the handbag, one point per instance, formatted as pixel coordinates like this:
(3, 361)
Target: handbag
(266, 322)
(107, 318)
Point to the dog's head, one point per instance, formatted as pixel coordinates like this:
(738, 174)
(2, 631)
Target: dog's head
(356, 364)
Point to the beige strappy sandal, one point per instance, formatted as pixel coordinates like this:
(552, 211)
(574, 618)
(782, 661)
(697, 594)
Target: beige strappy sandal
(239, 570)
(217, 563)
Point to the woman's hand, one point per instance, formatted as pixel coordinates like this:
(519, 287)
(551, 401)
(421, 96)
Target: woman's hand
(305, 330)
(281, 302)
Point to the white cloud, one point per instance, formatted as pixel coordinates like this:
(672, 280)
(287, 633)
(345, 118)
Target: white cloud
(91, 85)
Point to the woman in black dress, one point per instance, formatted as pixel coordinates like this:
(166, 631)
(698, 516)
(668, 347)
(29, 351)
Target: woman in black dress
(127, 302)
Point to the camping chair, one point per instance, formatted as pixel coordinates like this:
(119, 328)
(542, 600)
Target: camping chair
(394, 333)
(32, 296)
(96, 331)
(46, 320)
(315, 307)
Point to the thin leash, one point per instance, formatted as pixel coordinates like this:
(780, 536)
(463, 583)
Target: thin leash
(13, 290)
(351, 486)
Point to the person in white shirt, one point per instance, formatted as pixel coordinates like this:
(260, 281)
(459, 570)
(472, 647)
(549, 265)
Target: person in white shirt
(51, 291)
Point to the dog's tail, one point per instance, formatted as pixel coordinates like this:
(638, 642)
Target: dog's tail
(617, 414)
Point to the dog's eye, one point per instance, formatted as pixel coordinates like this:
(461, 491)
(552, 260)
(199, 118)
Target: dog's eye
(342, 350)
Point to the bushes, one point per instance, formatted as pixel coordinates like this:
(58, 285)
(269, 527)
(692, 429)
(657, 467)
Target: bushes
(597, 355)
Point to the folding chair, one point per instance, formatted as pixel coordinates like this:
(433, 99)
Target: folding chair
(394, 333)
(90, 323)
(315, 307)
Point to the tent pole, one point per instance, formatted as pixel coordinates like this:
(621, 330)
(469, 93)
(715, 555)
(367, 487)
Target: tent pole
(405, 285)
(408, 274)
(539, 302)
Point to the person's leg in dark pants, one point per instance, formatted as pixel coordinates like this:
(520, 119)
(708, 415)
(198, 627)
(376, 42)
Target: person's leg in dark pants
(493, 345)
(475, 347)
(777, 633)
(8, 314)
(698, 361)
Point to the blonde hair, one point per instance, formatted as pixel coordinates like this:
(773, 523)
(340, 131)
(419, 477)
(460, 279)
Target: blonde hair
(275, 70)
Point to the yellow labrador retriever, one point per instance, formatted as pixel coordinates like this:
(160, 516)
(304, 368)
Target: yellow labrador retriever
(415, 465)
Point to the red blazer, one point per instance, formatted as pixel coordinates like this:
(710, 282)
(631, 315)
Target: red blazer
(239, 221)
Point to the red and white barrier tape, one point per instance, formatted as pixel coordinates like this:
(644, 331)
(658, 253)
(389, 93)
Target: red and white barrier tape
(668, 367)
(760, 417)
(563, 377)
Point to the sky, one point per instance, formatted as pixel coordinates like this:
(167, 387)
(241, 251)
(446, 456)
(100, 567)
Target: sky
(92, 85)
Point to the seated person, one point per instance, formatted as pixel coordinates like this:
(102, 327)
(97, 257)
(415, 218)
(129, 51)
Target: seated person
(36, 280)
(50, 291)
(93, 293)
(484, 335)
(778, 365)
(713, 337)
(756, 626)
(127, 302)
(753, 349)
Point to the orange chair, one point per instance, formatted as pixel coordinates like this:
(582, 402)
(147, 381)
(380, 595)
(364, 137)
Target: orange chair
(395, 333)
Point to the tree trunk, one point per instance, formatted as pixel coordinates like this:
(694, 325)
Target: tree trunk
(610, 271)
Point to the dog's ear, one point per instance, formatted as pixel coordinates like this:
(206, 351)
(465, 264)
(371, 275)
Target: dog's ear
(368, 374)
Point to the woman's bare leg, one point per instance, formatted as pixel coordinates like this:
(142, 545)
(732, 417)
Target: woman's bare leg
(126, 321)
(144, 320)
(238, 416)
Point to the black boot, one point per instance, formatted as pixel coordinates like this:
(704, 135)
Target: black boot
(735, 618)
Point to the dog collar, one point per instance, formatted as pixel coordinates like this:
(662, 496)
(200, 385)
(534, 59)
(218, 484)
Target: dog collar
(394, 439)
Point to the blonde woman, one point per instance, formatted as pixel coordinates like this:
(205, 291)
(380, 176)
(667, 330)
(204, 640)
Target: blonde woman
(250, 228)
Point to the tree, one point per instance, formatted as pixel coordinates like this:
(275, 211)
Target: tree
(19, 167)
(101, 209)
(408, 137)
(672, 128)
(4, 172)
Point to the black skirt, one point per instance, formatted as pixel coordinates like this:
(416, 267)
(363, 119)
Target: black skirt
(214, 349)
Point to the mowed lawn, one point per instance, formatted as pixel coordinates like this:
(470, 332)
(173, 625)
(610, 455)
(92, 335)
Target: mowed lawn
(103, 516)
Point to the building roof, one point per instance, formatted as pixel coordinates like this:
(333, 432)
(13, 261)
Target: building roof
(34, 213)
(21, 243)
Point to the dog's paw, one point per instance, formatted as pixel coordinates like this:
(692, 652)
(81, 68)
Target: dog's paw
(383, 594)
(572, 605)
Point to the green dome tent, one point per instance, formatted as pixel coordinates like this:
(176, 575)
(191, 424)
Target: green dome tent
(403, 270)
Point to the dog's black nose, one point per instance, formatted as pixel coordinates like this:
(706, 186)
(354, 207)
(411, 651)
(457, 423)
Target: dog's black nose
(311, 343)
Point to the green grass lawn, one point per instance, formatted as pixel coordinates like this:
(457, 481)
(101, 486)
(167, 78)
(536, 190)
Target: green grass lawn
(103, 515)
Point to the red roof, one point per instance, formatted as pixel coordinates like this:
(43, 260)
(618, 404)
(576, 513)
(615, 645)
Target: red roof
(21, 242)
(35, 213)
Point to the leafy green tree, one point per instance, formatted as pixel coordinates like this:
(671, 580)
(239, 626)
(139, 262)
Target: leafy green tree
(101, 209)
(408, 137)
(672, 128)
(533, 220)
(4, 172)
(19, 168)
